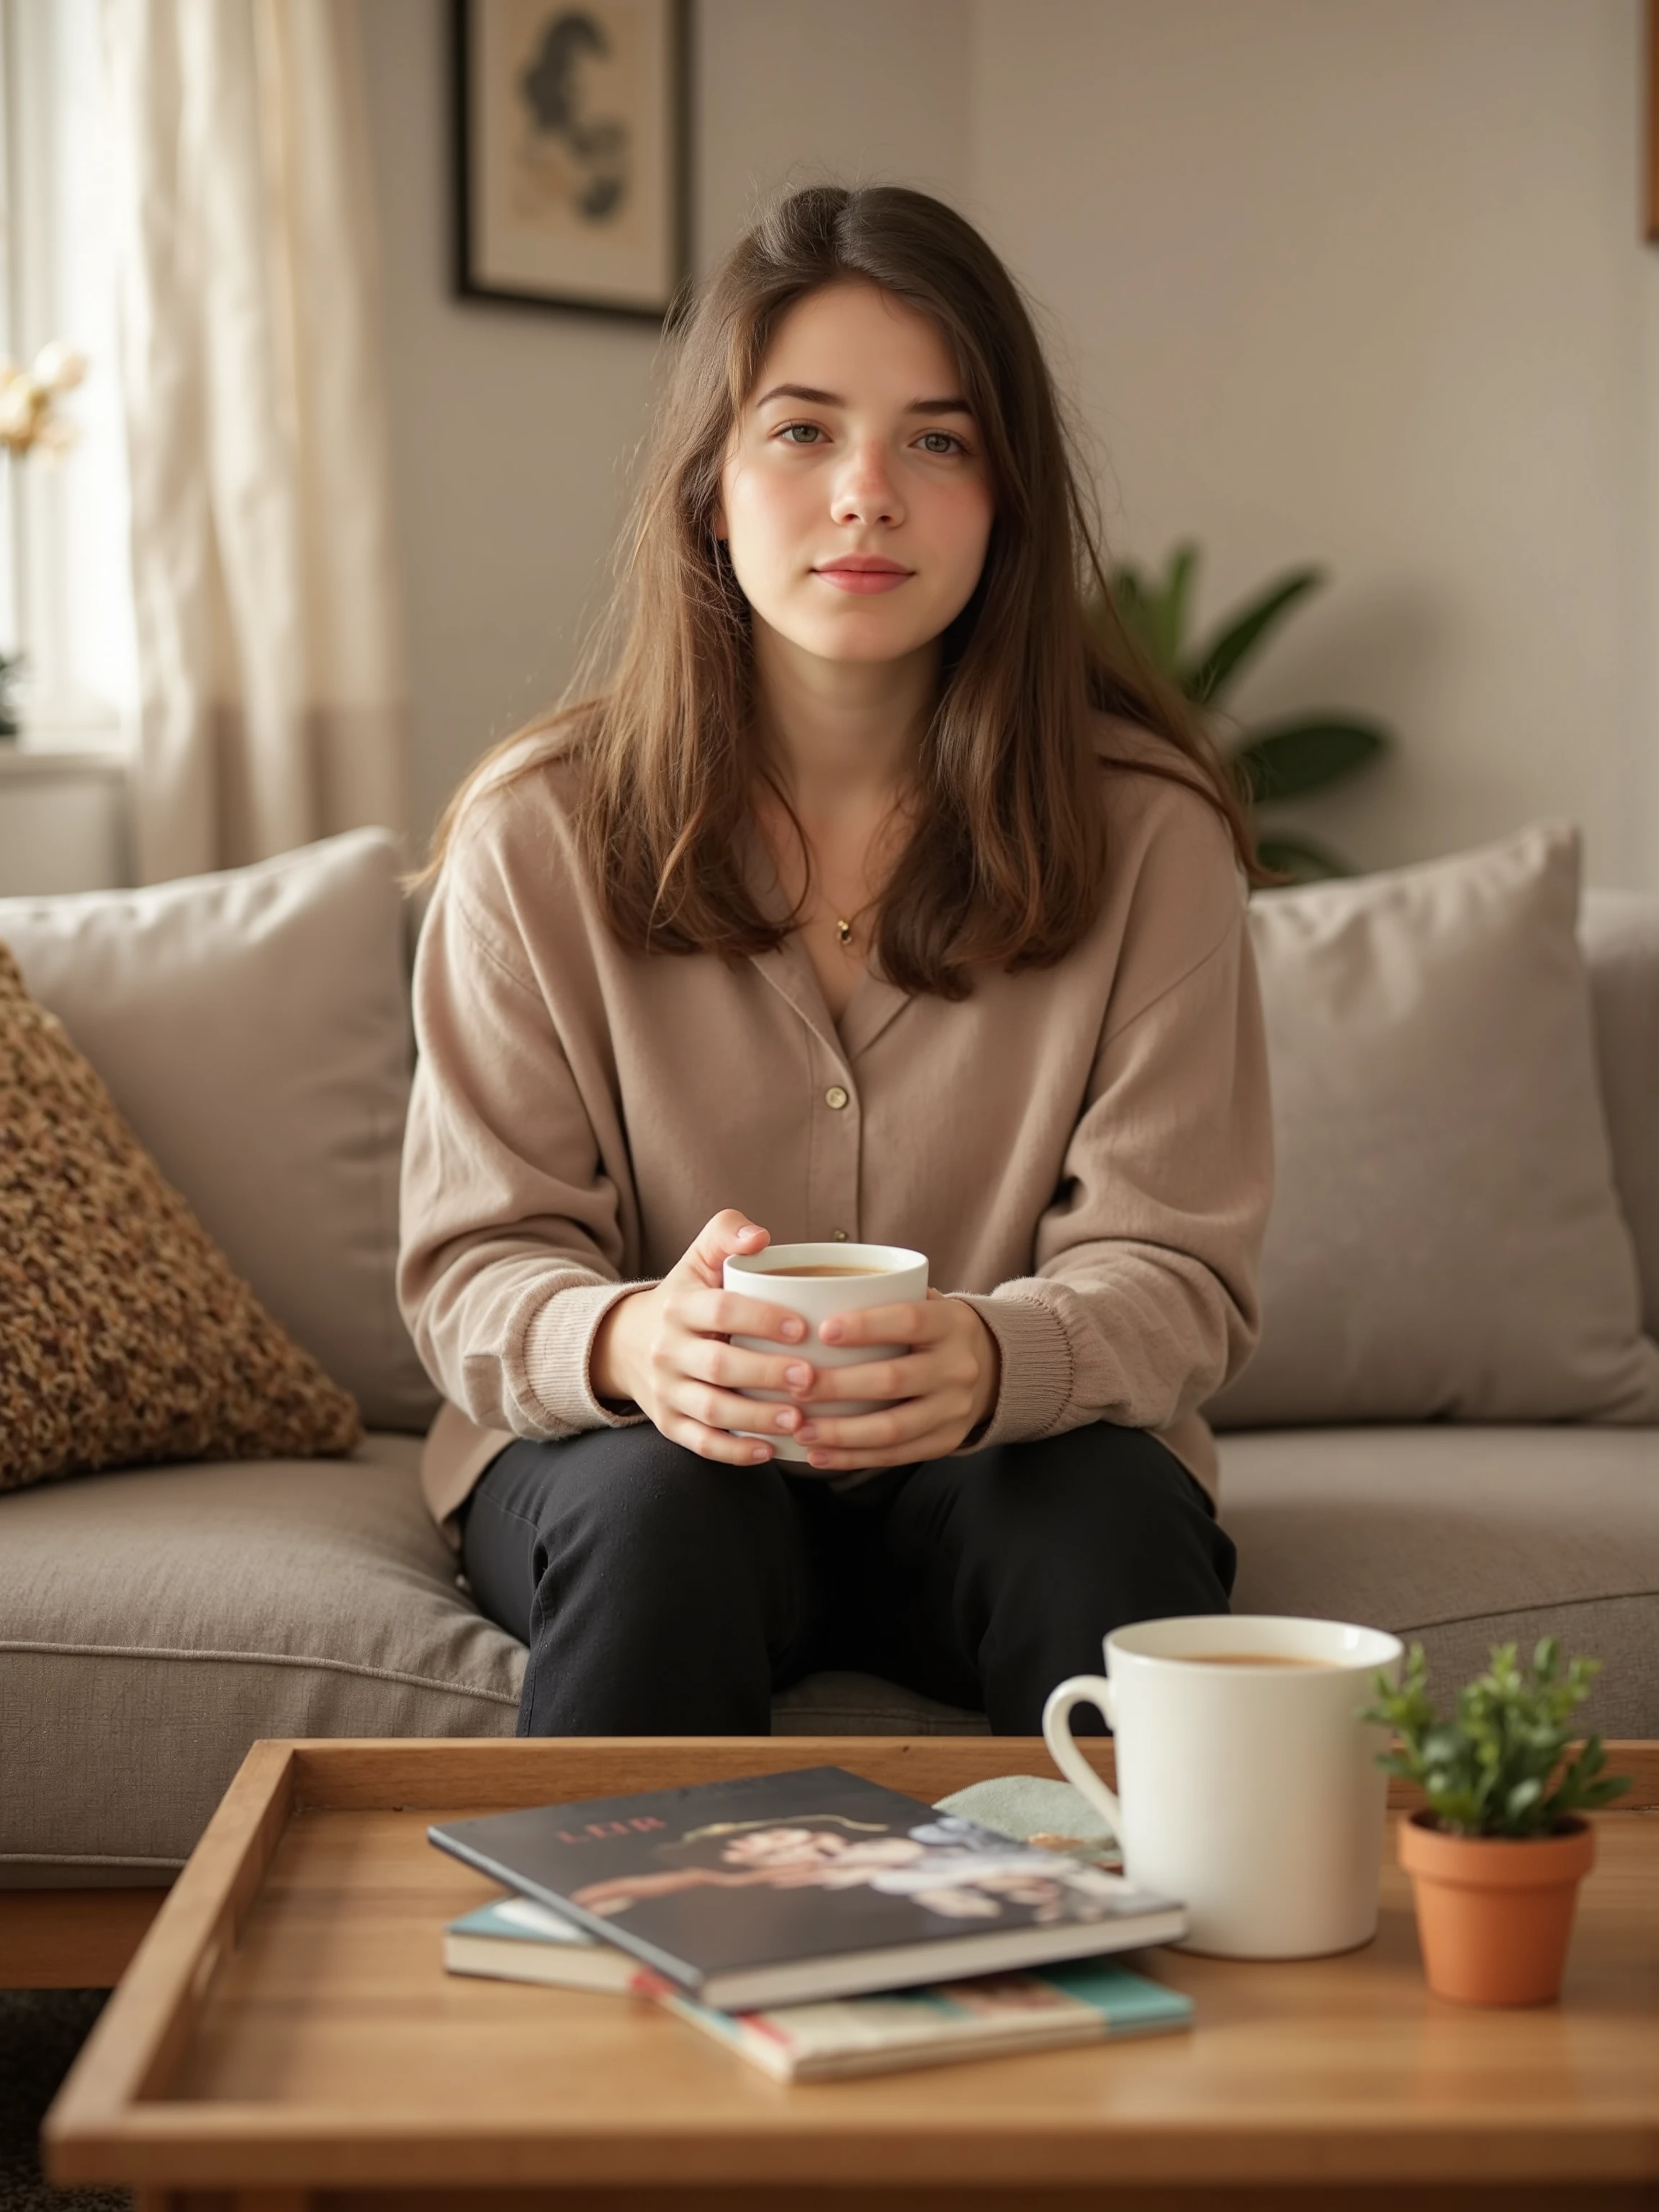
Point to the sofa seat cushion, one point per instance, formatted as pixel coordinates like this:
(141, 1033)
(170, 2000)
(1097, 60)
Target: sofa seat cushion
(1463, 1537)
(155, 1623)
(838, 1703)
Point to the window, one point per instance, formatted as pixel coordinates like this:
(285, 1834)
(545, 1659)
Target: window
(65, 590)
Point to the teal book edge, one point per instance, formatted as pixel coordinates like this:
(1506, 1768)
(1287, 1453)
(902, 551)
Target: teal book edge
(491, 1920)
(1128, 2002)
(992, 2016)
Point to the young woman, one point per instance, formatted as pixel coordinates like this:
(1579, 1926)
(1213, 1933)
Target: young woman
(872, 895)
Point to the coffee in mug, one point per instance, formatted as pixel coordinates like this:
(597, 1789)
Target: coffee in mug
(1248, 1785)
(827, 1271)
(816, 1280)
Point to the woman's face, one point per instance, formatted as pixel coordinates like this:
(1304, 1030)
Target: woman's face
(856, 446)
(773, 1846)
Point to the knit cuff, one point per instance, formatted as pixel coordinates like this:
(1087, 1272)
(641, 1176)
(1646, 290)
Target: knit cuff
(555, 1384)
(1035, 1391)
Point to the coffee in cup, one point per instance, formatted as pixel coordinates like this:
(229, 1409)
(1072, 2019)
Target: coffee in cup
(828, 1271)
(1248, 1785)
(816, 1280)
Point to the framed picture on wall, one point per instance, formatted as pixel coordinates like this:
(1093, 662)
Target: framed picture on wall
(571, 152)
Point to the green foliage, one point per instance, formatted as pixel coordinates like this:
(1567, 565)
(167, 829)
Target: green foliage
(1488, 1772)
(1284, 760)
(1210, 670)
(10, 665)
(1276, 761)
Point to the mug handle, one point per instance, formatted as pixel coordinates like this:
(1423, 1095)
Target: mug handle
(1081, 1689)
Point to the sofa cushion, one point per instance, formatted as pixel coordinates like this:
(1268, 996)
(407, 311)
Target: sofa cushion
(155, 1623)
(842, 1703)
(1462, 1538)
(1620, 933)
(254, 1028)
(125, 1334)
(1446, 1240)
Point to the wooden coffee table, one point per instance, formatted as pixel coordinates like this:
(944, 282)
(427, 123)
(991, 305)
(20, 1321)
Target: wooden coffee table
(286, 2037)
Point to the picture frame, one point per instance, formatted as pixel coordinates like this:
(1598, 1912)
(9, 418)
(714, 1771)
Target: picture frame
(572, 153)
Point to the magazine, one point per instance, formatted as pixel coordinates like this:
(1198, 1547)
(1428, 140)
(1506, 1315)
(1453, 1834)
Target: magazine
(990, 2016)
(772, 1889)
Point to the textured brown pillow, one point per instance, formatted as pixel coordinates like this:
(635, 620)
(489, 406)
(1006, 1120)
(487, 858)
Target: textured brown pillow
(125, 1334)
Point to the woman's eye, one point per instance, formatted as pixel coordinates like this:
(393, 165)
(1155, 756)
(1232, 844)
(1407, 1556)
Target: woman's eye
(949, 439)
(789, 429)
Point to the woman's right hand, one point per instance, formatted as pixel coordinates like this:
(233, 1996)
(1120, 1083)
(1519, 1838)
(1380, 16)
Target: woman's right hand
(665, 1349)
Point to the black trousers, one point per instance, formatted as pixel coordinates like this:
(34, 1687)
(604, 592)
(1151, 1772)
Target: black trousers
(661, 1593)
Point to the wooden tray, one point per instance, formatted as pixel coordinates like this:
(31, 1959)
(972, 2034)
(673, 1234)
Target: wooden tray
(287, 2037)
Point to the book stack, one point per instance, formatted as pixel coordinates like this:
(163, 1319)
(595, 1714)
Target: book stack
(817, 1923)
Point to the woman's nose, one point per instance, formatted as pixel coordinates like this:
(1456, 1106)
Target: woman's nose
(865, 491)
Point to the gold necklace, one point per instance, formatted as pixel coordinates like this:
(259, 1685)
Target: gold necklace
(844, 923)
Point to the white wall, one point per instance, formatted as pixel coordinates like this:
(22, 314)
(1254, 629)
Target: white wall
(509, 429)
(1352, 280)
(63, 821)
(513, 427)
(1361, 281)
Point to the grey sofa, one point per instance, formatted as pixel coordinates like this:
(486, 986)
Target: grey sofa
(155, 1622)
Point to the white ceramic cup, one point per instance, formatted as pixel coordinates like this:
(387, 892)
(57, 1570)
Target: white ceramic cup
(898, 1277)
(1251, 1793)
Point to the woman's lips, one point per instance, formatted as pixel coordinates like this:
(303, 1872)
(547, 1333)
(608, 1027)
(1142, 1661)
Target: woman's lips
(864, 579)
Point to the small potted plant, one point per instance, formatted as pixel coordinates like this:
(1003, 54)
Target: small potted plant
(1496, 1858)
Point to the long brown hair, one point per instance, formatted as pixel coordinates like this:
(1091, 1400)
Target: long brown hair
(1005, 861)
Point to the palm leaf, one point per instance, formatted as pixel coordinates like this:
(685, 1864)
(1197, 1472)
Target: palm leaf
(1304, 859)
(1304, 753)
(1210, 671)
(1169, 609)
(1134, 605)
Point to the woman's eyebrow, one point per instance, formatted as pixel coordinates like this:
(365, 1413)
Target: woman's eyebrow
(816, 398)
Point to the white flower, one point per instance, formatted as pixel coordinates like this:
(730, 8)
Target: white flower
(58, 367)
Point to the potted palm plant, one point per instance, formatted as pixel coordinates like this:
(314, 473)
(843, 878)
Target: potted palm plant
(1496, 1857)
(1289, 758)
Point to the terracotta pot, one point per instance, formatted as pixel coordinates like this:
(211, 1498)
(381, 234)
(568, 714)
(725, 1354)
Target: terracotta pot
(1494, 1913)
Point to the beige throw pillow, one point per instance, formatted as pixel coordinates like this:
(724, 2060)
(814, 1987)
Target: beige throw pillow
(126, 1336)
(1446, 1240)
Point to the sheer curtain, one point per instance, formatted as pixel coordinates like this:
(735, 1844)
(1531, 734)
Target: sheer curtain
(271, 702)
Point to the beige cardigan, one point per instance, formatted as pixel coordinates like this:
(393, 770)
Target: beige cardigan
(1083, 1152)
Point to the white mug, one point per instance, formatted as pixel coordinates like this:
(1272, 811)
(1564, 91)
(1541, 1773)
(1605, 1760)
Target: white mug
(897, 1276)
(1248, 1791)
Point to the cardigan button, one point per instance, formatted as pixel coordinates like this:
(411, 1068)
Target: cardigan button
(835, 1096)
(840, 1236)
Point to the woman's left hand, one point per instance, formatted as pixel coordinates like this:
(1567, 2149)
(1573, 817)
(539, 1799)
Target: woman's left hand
(944, 1386)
